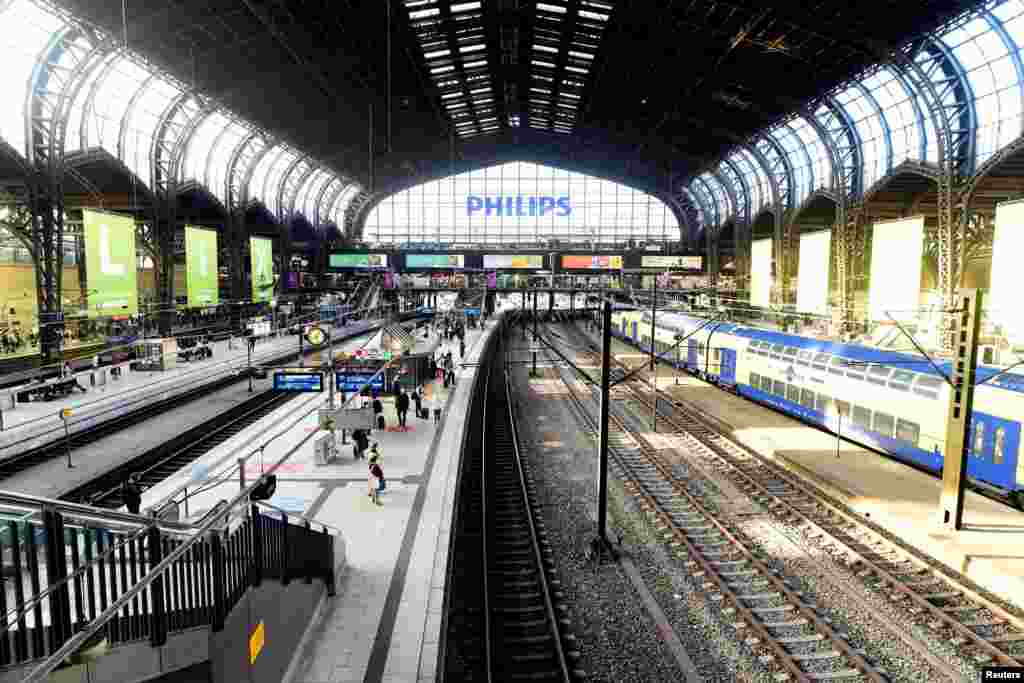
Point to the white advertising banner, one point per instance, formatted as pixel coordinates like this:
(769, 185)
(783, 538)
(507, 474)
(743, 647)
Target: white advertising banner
(812, 275)
(896, 251)
(1004, 304)
(761, 272)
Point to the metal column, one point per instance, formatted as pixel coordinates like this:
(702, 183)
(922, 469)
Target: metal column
(602, 454)
(961, 403)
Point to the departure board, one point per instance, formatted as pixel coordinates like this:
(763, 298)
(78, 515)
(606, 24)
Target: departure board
(307, 382)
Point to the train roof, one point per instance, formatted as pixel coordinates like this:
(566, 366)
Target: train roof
(915, 363)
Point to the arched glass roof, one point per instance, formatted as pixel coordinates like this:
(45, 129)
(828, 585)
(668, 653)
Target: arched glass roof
(981, 57)
(119, 104)
(520, 202)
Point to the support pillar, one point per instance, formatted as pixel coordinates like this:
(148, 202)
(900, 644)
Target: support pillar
(48, 246)
(166, 223)
(602, 454)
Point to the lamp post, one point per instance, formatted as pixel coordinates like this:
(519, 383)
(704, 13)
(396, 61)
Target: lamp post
(248, 347)
(654, 362)
(602, 456)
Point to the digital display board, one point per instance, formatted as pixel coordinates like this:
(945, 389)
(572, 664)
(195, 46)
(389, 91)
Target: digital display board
(358, 260)
(685, 262)
(513, 261)
(350, 380)
(604, 262)
(299, 381)
(435, 261)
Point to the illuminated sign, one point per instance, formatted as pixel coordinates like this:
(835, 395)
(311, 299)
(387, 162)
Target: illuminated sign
(593, 262)
(435, 261)
(513, 261)
(358, 260)
(518, 206)
(301, 382)
(686, 262)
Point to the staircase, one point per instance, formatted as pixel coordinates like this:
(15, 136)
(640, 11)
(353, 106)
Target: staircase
(91, 593)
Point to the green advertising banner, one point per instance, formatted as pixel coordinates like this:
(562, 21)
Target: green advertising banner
(110, 264)
(358, 261)
(261, 255)
(201, 266)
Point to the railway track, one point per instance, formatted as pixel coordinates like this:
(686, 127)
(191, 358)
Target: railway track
(168, 458)
(982, 631)
(504, 620)
(783, 629)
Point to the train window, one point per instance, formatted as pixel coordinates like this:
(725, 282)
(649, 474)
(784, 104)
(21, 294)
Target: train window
(718, 355)
(755, 380)
(766, 384)
(884, 424)
(821, 360)
(842, 409)
(837, 366)
(778, 348)
(790, 351)
(793, 393)
(862, 417)
(855, 369)
(908, 431)
(901, 380)
(823, 404)
(779, 388)
(927, 386)
(877, 374)
(804, 358)
(807, 398)
(977, 439)
(998, 445)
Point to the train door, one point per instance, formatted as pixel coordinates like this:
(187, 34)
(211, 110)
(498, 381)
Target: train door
(636, 339)
(727, 370)
(691, 354)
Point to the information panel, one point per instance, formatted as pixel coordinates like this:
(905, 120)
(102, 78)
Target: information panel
(304, 382)
(812, 276)
(596, 262)
(435, 261)
(358, 260)
(110, 264)
(535, 261)
(685, 262)
(1004, 306)
(201, 266)
(761, 272)
(261, 254)
(351, 379)
(896, 252)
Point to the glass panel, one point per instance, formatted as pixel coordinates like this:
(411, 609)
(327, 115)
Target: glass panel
(884, 424)
(807, 398)
(779, 388)
(908, 431)
(862, 417)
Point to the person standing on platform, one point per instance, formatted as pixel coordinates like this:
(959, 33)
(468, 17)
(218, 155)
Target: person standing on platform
(373, 482)
(417, 397)
(402, 408)
(378, 414)
(131, 494)
(462, 348)
(252, 342)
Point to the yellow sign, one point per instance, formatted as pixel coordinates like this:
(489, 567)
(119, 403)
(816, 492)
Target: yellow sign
(65, 413)
(316, 336)
(256, 641)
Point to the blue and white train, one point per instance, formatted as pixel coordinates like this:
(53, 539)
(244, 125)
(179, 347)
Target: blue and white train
(888, 401)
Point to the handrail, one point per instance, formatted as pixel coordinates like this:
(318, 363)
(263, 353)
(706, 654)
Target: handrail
(40, 673)
(13, 499)
(297, 515)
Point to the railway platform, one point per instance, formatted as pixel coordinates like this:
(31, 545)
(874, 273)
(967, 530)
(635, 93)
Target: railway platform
(35, 423)
(53, 479)
(902, 500)
(384, 624)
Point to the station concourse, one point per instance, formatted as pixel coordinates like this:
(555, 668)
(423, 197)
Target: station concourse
(683, 339)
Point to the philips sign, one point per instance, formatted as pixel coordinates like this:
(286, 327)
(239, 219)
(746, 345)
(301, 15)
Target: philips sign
(517, 206)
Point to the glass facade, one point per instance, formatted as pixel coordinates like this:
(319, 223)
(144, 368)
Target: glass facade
(465, 208)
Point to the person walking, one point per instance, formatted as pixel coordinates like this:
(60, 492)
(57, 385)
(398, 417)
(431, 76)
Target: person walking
(451, 377)
(437, 404)
(373, 482)
(462, 347)
(402, 407)
(131, 494)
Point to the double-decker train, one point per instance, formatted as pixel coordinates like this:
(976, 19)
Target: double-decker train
(888, 401)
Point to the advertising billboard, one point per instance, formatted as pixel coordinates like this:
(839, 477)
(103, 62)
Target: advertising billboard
(358, 260)
(513, 261)
(761, 272)
(110, 264)
(1004, 307)
(665, 262)
(604, 262)
(435, 261)
(812, 272)
(895, 287)
(261, 255)
(201, 266)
